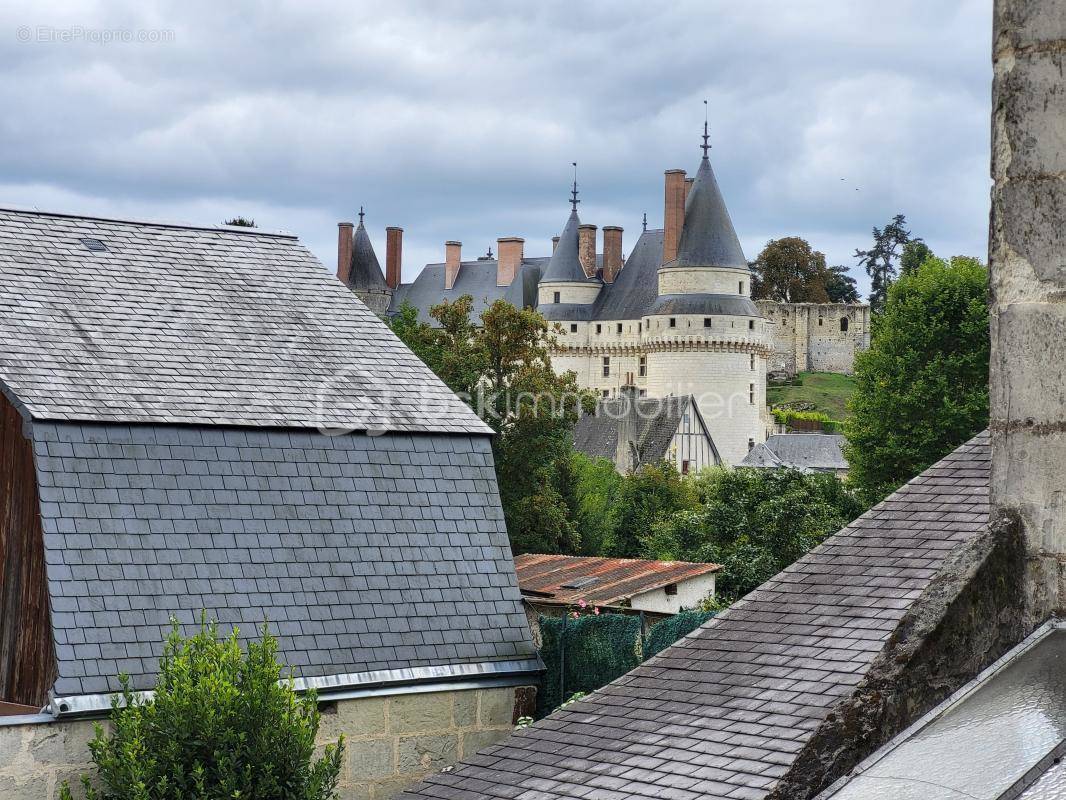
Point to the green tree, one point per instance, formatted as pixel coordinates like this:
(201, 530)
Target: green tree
(652, 493)
(502, 368)
(840, 286)
(915, 253)
(880, 260)
(754, 522)
(596, 485)
(789, 270)
(222, 723)
(922, 387)
(240, 222)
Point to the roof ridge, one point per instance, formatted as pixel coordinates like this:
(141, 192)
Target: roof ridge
(243, 229)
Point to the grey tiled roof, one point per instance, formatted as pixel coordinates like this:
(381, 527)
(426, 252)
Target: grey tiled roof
(708, 237)
(365, 272)
(724, 712)
(596, 435)
(564, 264)
(363, 552)
(218, 326)
(809, 452)
(475, 278)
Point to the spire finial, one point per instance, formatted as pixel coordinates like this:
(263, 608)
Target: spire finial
(573, 193)
(645, 220)
(705, 144)
(361, 215)
(489, 253)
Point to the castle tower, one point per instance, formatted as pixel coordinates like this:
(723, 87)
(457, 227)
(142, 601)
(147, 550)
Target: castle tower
(358, 267)
(703, 334)
(565, 283)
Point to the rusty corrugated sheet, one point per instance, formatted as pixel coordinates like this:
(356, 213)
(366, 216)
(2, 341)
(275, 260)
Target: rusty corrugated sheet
(557, 579)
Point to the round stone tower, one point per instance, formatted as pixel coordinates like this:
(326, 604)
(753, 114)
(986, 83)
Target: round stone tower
(703, 334)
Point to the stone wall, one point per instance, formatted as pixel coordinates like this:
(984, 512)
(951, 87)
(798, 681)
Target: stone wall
(808, 337)
(1028, 277)
(392, 741)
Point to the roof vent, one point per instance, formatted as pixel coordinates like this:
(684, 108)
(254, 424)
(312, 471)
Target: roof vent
(581, 583)
(95, 245)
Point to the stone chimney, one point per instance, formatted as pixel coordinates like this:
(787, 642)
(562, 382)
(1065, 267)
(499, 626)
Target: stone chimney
(1028, 281)
(673, 213)
(688, 187)
(625, 457)
(555, 243)
(344, 250)
(509, 258)
(586, 248)
(452, 259)
(612, 252)
(393, 256)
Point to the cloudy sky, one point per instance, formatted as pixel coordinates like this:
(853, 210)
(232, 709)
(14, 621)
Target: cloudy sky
(459, 120)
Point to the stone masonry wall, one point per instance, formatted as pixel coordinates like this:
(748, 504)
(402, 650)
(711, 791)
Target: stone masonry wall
(807, 337)
(392, 742)
(1027, 256)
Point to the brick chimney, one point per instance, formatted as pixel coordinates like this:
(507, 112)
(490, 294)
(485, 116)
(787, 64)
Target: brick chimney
(344, 250)
(452, 259)
(509, 258)
(555, 243)
(612, 252)
(688, 187)
(586, 248)
(673, 213)
(625, 457)
(393, 256)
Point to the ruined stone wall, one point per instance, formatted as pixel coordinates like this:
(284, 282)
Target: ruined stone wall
(1027, 256)
(392, 742)
(808, 337)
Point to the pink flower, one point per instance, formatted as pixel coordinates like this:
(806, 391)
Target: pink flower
(596, 611)
(573, 614)
(581, 603)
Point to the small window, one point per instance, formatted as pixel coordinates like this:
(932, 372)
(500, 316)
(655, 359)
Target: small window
(606, 393)
(843, 324)
(706, 322)
(642, 393)
(573, 327)
(752, 361)
(640, 327)
(642, 366)
(751, 444)
(751, 393)
(673, 322)
(671, 588)
(95, 245)
(821, 321)
(606, 366)
(751, 324)
(619, 327)
(684, 471)
(742, 287)
(555, 297)
(599, 328)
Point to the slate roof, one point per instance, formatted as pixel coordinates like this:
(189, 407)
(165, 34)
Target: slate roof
(724, 711)
(808, 452)
(564, 264)
(364, 552)
(596, 435)
(475, 278)
(365, 272)
(708, 237)
(566, 580)
(217, 326)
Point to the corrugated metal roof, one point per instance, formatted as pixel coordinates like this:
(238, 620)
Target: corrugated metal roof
(566, 580)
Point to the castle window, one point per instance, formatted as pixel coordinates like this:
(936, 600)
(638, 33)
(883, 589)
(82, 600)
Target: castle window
(573, 327)
(751, 324)
(642, 366)
(751, 393)
(821, 321)
(843, 324)
(742, 287)
(642, 393)
(619, 327)
(606, 366)
(673, 322)
(606, 393)
(555, 297)
(706, 322)
(640, 327)
(599, 329)
(751, 444)
(752, 357)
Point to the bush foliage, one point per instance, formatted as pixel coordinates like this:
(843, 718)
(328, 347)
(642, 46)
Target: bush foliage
(222, 724)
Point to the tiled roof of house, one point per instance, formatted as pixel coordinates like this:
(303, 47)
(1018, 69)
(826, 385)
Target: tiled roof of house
(708, 237)
(120, 321)
(566, 580)
(365, 272)
(564, 264)
(724, 712)
(809, 452)
(657, 420)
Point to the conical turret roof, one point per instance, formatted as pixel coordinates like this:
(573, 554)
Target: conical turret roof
(565, 265)
(366, 271)
(708, 238)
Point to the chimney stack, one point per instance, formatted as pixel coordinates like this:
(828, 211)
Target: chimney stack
(612, 252)
(625, 457)
(555, 243)
(393, 256)
(688, 187)
(344, 250)
(452, 259)
(674, 213)
(586, 248)
(509, 258)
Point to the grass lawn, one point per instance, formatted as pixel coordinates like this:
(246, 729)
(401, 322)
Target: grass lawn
(828, 391)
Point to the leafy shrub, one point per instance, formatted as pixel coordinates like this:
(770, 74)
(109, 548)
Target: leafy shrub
(665, 633)
(221, 724)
